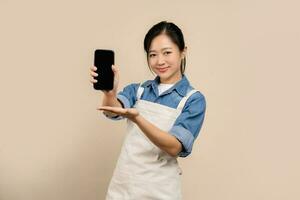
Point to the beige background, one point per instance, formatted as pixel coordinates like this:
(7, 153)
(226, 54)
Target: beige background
(242, 55)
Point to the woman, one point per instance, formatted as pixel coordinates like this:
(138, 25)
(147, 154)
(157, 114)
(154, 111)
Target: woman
(164, 117)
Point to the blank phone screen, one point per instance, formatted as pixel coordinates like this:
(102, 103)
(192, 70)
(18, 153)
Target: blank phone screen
(104, 59)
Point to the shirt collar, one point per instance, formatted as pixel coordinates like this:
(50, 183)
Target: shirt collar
(180, 86)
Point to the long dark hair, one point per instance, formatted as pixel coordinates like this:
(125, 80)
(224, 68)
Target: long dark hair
(172, 31)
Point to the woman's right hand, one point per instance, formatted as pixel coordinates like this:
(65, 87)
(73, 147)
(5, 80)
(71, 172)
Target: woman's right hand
(112, 92)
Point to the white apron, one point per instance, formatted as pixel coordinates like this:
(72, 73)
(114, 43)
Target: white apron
(144, 171)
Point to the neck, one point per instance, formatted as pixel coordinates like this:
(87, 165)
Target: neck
(171, 80)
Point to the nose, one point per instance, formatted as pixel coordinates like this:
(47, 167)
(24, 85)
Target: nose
(161, 60)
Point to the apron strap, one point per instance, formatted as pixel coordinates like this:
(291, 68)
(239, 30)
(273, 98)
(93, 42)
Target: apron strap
(184, 99)
(139, 91)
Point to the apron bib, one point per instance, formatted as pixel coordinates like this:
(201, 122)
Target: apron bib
(143, 171)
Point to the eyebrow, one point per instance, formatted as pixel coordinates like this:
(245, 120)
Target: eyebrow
(161, 49)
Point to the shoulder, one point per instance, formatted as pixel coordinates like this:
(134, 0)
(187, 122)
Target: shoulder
(197, 93)
(197, 99)
(132, 86)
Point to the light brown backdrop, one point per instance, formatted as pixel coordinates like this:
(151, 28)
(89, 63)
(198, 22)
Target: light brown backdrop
(241, 54)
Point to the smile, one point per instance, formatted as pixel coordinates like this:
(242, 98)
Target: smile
(163, 69)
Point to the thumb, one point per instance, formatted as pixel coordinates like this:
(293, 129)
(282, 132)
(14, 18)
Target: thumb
(115, 70)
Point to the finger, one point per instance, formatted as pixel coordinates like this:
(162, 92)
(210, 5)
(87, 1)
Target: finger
(94, 74)
(114, 68)
(93, 68)
(112, 109)
(107, 108)
(116, 71)
(93, 81)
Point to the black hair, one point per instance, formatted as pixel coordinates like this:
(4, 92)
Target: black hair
(172, 31)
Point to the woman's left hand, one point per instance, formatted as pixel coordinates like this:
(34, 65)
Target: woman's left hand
(130, 113)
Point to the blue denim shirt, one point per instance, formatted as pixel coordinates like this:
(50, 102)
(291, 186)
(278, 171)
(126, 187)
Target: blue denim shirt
(188, 124)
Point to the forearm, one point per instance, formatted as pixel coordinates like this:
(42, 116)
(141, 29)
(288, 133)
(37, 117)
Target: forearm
(160, 138)
(110, 100)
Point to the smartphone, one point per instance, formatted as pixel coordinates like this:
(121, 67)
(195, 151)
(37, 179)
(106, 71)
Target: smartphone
(103, 60)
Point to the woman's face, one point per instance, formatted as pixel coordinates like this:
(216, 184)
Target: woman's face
(164, 58)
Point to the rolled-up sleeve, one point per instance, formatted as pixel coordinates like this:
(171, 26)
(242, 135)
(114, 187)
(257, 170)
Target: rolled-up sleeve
(188, 124)
(127, 97)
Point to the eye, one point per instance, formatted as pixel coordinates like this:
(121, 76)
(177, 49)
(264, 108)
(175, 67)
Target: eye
(151, 55)
(168, 52)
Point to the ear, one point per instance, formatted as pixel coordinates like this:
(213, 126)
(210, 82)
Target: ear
(183, 53)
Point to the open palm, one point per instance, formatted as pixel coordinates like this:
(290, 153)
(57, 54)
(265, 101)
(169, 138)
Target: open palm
(130, 113)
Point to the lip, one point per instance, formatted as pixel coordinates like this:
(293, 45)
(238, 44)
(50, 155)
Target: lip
(162, 69)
